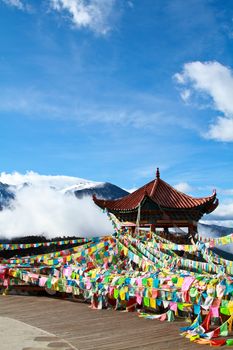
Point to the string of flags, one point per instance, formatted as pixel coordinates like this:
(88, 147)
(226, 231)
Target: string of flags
(19, 246)
(140, 273)
(213, 242)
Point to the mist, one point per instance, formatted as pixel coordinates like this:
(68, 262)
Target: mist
(41, 210)
(60, 182)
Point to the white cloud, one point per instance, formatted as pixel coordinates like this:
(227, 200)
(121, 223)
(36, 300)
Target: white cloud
(96, 15)
(228, 191)
(18, 4)
(222, 130)
(46, 211)
(185, 95)
(136, 110)
(56, 181)
(40, 209)
(183, 187)
(214, 80)
(131, 190)
(91, 14)
(222, 215)
(223, 212)
(224, 223)
(14, 3)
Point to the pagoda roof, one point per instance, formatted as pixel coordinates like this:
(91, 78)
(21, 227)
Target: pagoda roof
(162, 194)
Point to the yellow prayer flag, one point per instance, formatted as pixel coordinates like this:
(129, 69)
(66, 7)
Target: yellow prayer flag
(180, 282)
(230, 307)
(125, 251)
(149, 282)
(122, 294)
(152, 303)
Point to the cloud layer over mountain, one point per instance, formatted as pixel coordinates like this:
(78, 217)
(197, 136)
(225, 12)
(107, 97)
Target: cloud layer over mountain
(41, 207)
(56, 181)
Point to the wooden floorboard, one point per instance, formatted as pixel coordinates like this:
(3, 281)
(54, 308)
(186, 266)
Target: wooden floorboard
(88, 329)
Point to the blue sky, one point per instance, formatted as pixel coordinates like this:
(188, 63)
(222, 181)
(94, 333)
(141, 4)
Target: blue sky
(110, 89)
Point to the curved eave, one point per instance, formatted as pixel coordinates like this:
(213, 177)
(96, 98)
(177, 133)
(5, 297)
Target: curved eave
(104, 204)
(211, 206)
(168, 197)
(206, 205)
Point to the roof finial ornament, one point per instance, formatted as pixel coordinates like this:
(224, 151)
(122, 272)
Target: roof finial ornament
(157, 173)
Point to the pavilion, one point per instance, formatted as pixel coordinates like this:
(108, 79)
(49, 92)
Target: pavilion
(159, 205)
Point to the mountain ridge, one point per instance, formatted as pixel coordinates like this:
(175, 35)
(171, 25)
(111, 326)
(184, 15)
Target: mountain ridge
(103, 190)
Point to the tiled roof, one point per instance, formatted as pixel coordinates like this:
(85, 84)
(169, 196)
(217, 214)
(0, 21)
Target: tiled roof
(160, 192)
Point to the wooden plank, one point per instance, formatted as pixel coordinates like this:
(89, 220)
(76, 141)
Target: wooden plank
(89, 329)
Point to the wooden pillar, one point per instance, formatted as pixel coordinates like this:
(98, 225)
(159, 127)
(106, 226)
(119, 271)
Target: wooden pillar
(134, 231)
(192, 229)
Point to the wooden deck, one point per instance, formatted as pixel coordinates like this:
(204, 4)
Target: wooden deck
(88, 329)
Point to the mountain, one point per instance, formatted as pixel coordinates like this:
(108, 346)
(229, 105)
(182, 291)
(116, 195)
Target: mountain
(225, 251)
(15, 184)
(103, 190)
(213, 230)
(79, 187)
(6, 195)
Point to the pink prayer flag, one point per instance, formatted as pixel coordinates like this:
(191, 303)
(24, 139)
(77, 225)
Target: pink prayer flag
(173, 306)
(139, 299)
(139, 282)
(88, 285)
(187, 283)
(163, 317)
(6, 282)
(42, 281)
(214, 311)
(68, 271)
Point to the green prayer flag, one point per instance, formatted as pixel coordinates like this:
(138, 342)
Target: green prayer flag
(180, 306)
(144, 282)
(170, 316)
(224, 329)
(146, 301)
(225, 311)
(116, 293)
(229, 342)
(49, 282)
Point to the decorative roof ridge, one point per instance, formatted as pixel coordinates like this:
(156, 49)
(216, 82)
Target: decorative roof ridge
(187, 195)
(154, 187)
(156, 181)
